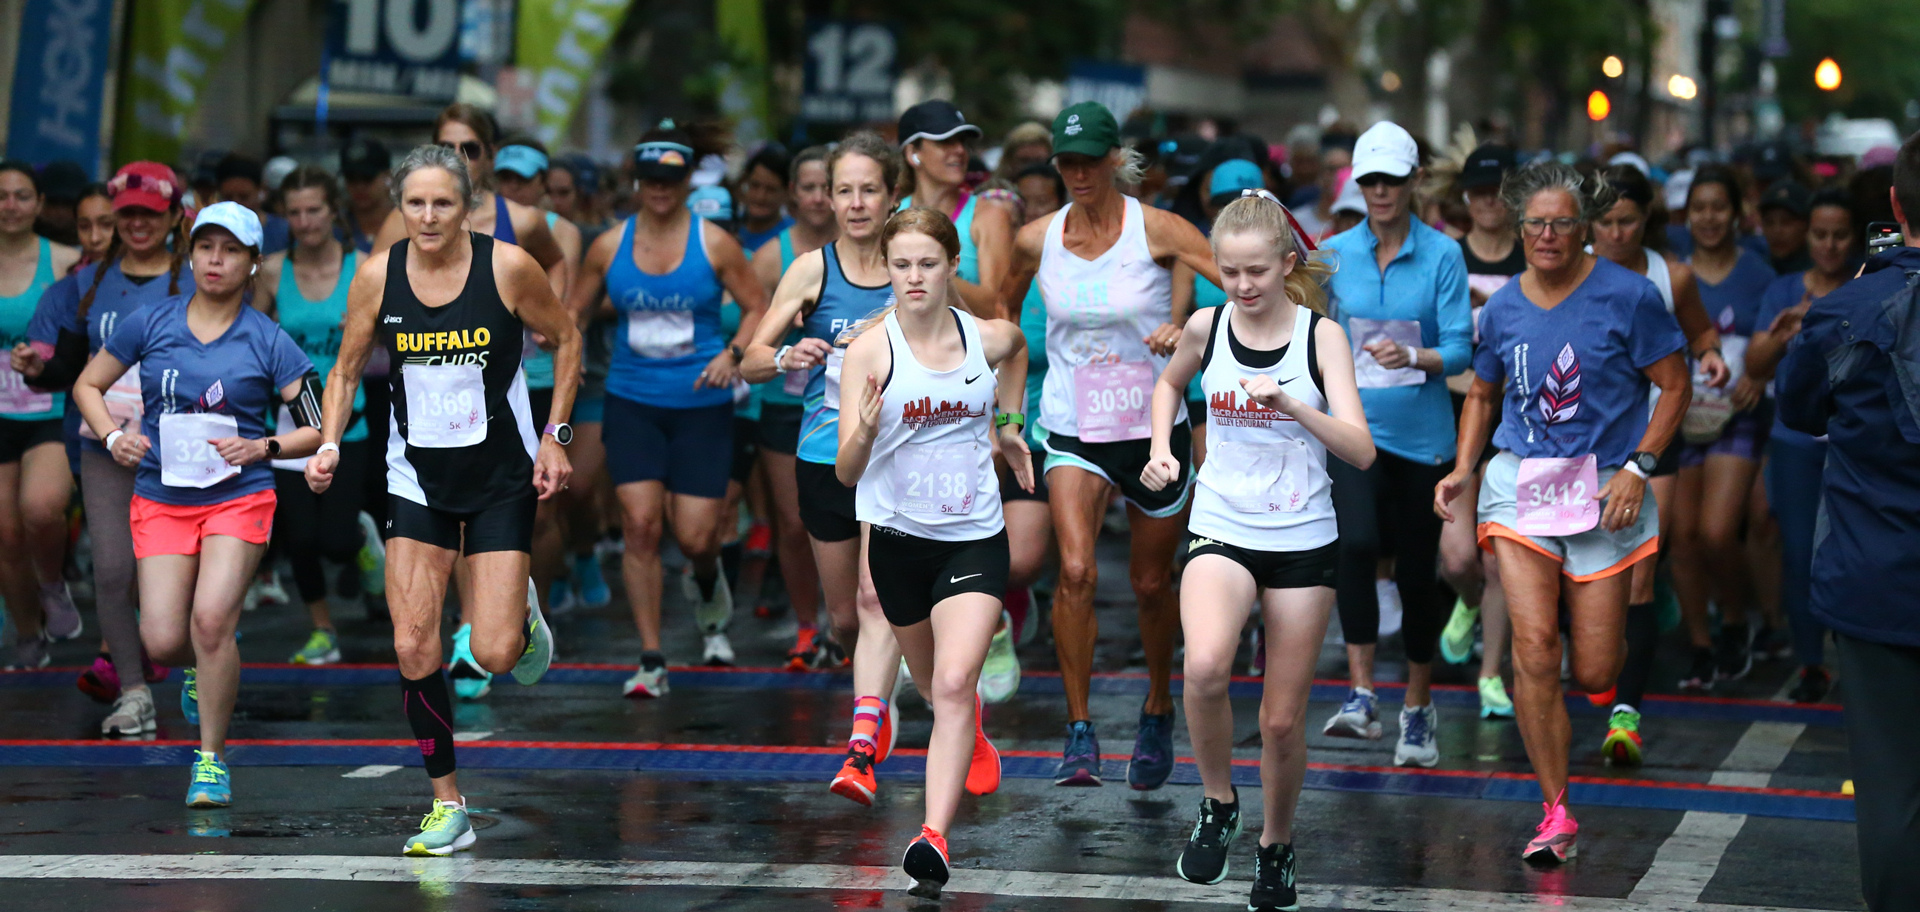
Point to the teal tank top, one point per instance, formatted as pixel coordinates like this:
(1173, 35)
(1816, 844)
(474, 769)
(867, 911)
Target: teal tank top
(537, 362)
(1205, 294)
(773, 392)
(1033, 325)
(315, 327)
(962, 223)
(17, 401)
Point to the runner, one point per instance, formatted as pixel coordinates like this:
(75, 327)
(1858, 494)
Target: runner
(935, 138)
(1724, 437)
(1567, 352)
(309, 297)
(35, 483)
(74, 319)
(1263, 528)
(1622, 235)
(93, 224)
(1104, 269)
(764, 192)
(467, 486)
(829, 291)
(1225, 182)
(1401, 294)
(202, 507)
(938, 547)
(778, 431)
(364, 165)
(670, 393)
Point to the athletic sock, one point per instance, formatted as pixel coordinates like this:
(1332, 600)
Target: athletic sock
(652, 660)
(868, 713)
(1018, 602)
(1643, 637)
(730, 557)
(428, 710)
(706, 585)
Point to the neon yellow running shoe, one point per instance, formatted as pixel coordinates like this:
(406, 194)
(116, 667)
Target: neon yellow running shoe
(1494, 703)
(1622, 747)
(443, 831)
(1456, 639)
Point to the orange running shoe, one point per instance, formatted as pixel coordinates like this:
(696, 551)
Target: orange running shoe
(926, 862)
(889, 729)
(983, 775)
(800, 657)
(759, 540)
(855, 781)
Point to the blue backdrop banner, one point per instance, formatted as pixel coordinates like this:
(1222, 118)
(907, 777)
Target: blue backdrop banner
(59, 82)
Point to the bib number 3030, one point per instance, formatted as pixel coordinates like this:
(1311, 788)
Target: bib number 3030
(1115, 401)
(187, 460)
(446, 405)
(936, 478)
(1557, 496)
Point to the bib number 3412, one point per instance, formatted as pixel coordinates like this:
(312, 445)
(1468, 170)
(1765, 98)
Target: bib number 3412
(1557, 496)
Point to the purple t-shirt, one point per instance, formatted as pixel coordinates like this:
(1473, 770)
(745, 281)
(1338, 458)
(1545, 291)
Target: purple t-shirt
(1575, 370)
(239, 375)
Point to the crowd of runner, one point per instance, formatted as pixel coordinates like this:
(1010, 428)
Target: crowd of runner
(1513, 409)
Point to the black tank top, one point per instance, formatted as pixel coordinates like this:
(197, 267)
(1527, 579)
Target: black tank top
(474, 329)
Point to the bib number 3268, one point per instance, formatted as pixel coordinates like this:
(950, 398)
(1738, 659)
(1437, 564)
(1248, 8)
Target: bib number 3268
(446, 405)
(1114, 401)
(1557, 496)
(187, 460)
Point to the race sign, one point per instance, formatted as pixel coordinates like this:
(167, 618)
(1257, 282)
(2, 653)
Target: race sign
(394, 47)
(850, 72)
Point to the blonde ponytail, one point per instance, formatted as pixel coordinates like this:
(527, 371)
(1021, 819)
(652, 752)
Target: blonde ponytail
(1259, 213)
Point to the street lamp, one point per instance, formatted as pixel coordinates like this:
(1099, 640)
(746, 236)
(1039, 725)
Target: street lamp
(1612, 67)
(1682, 87)
(1827, 75)
(1598, 106)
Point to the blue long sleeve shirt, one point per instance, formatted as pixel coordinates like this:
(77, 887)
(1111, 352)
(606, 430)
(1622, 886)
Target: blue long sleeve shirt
(1425, 282)
(1866, 557)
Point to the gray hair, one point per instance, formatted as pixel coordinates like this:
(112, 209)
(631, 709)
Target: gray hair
(1129, 167)
(427, 156)
(1591, 193)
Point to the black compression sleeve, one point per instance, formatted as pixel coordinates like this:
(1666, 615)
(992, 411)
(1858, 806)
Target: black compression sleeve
(69, 359)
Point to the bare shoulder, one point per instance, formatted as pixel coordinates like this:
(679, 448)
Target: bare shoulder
(373, 266)
(1033, 235)
(512, 260)
(1680, 271)
(1328, 333)
(719, 242)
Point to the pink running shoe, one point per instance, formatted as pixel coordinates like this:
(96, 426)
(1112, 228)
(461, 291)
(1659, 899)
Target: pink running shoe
(1555, 834)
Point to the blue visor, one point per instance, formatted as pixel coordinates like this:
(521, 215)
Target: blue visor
(525, 161)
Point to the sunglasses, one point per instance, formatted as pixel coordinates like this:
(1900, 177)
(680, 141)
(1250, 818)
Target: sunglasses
(1376, 179)
(471, 149)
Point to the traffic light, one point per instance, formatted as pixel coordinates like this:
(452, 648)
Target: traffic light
(1827, 75)
(1598, 105)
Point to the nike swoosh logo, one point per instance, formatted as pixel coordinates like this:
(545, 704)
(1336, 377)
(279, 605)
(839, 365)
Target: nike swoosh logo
(974, 377)
(959, 578)
(1289, 380)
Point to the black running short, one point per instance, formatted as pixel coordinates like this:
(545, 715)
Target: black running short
(504, 526)
(912, 574)
(1010, 489)
(1275, 569)
(17, 437)
(826, 505)
(1669, 463)
(779, 428)
(745, 449)
(1120, 462)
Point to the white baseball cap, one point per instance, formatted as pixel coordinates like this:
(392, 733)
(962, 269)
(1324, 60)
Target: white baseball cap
(234, 217)
(1387, 149)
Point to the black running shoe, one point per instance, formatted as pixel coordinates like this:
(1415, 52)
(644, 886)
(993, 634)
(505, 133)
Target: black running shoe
(1273, 880)
(1772, 644)
(926, 863)
(1700, 673)
(1814, 684)
(1733, 655)
(1205, 860)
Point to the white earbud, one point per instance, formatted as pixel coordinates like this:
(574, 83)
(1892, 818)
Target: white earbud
(916, 160)
(254, 269)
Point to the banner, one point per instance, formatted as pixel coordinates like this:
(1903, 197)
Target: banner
(59, 82)
(743, 79)
(172, 44)
(560, 42)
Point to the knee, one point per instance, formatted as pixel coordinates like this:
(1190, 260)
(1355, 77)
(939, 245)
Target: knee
(1596, 670)
(1279, 728)
(498, 655)
(1536, 656)
(416, 646)
(1078, 572)
(953, 688)
(211, 629)
(1206, 675)
(1154, 579)
(168, 647)
(1720, 536)
(641, 532)
(1460, 568)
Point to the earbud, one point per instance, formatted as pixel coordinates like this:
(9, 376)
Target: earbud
(916, 159)
(254, 269)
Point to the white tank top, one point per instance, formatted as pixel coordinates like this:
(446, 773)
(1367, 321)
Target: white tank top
(930, 473)
(1264, 486)
(1660, 275)
(1099, 314)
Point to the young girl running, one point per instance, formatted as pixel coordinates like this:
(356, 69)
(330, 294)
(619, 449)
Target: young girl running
(1280, 394)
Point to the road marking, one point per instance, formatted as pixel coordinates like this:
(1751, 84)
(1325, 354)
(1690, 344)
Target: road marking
(733, 875)
(471, 736)
(371, 771)
(1759, 752)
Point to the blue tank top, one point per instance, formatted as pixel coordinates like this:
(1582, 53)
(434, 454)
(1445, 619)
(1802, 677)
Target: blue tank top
(536, 362)
(503, 221)
(669, 326)
(774, 392)
(315, 327)
(842, 305)
(17, 402)
(1205, 294)
(969, 268)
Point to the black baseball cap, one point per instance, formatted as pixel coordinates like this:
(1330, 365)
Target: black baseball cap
(62, 181)
(1486, 167)
(364, 159)
(937, 119)
(1790, 195)
(1772, 161)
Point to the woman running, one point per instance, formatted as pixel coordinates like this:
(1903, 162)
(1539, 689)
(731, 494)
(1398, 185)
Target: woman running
(777, 435)
(1263, 529)
(1104, 264)
(309, 284)
(93, 224)
(764, 191)
(938, 547)
(1725, 437)
(1402, 296)
(1796, 461)
(1622, 235)
(1225, 182)
(1567, 352)
(828, 292)
(202, 508)
(35, 483)
(146, 262)
(670, 393)
(464, 471)
(935, 138)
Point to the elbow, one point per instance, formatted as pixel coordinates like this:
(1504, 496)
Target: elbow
(847, 473)
(1364, 458)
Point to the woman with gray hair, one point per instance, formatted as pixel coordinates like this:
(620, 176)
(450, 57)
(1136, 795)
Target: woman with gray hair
(1567, 352)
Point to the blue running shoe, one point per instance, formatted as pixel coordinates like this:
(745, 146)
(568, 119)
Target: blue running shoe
(1080, 762)
(190, 696)
(1359, 717)
(1152, 759)
(560, 598)
(470, 681)
(211, 787)
(588, 581)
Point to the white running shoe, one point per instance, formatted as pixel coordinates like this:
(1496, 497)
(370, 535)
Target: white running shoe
(372, 557)
(1000, 675)
(62, 619)
(717, 649)
(538, 656)
(711, 614)
(1359, 717)
(132, 714)
(902, 683)
(1391, 612)
(1419, 744)
(646, 682)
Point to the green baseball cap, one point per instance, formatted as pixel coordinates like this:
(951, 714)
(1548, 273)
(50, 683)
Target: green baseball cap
(1087, 128)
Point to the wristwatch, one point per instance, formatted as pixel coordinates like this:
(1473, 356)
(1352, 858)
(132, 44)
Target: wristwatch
(273, 448)
(1645, 462)
(738, 355)
(562, 433)
(1005, 418)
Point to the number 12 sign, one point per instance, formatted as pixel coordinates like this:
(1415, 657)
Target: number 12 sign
(850, 71)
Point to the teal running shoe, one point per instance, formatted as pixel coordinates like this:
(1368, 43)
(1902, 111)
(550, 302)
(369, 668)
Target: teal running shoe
(372, 559)
(1456, 639)
(190, 696)
(443, 831)
(590, 583)
(211, 787)
(470, 681)
(538, 656)
(323, 648)
(1494, 702)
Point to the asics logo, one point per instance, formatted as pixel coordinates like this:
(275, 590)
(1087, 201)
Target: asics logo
(391, 319)
(959, 578)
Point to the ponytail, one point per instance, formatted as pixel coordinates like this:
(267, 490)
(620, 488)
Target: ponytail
(182, 244)
(1260, 213)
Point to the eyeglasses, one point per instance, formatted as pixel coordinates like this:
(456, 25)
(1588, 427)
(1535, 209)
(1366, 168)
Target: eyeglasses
(1534, 227)
(471, 149)
(1376, 179)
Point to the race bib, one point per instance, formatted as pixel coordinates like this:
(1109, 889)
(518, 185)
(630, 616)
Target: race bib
(187, 460)
(446, 405)
(836, 359)
(1114, 400)
(1258, 478)
(16, 398)
(286, 425)
(124, 404)
(1367, 372)
(660, 333)
(935, 478)
(1556, 496)
(794, 382)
